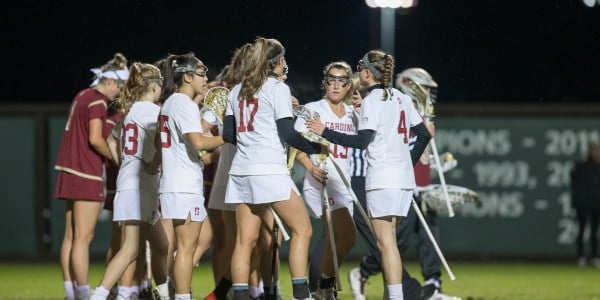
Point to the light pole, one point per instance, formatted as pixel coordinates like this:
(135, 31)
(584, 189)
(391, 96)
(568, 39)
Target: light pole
(388, 20)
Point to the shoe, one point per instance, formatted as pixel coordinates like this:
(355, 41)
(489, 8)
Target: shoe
(596, 262)
(160, 294)
(439, 296)
(581, 262)
(357, 284)
(145, 294)
(211, 296)
(326, 294)
(260, 297)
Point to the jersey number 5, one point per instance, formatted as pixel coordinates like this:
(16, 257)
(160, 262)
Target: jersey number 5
(165, 134)
(250, 126)
(402, 126)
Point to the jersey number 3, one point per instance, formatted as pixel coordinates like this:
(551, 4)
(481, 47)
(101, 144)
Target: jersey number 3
(130, 139)
(250, 126)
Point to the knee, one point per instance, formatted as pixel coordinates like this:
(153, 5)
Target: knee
(83, 237)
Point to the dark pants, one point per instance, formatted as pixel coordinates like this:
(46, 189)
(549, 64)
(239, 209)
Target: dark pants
(411, 227)
(583, 215)
(371, 264)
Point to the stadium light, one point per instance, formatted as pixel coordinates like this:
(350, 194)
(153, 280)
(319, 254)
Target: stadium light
(388, 20)
(591, 3)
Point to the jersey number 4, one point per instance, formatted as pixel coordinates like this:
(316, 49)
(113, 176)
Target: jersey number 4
(402, 126)
(250, 126)
(165, 134)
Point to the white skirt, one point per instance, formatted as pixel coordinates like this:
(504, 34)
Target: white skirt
(389, 202)
(179, 205)
(136, 205)
(259, 189)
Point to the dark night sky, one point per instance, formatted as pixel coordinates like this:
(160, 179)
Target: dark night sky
(478, 51)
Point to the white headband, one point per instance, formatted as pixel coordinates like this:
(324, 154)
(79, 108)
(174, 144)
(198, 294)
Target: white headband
(113, 74)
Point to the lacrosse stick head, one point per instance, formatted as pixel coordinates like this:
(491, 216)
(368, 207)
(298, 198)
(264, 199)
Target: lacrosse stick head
(305, 113)
(433, 197)
(447, 161)
(420, 86)
(216, 100)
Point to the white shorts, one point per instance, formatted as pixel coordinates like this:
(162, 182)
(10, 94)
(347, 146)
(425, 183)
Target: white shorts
(314, 201)
(140, 205)
(389, 202)
(217, 199)
(179, 205)
(259, 189)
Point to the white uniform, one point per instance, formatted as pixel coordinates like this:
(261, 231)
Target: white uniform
(339, 196)
(390, 176)
(181, 181)
(259, 171)
(137, 190)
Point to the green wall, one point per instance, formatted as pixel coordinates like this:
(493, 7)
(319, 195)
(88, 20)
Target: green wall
(519, 166)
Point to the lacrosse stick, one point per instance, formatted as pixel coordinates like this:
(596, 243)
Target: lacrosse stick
(216, 99)
(432, 195)
(440, 172)
(286, 236)
(273, 287)
(148, 263)
(305, 113)
(432, 239)
(424, 104)
(359, 207)
(327, 210)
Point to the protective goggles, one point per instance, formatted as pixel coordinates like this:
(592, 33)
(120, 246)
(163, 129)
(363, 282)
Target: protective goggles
(344, 81)
(160, 81)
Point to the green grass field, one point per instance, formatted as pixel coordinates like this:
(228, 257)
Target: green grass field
(475, 280)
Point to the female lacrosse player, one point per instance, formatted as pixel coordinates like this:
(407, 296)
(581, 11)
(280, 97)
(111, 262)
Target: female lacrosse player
(137, 182)
(225, 239)
(181, 184)
(386, 117)
(79, 162)
(258, 117)
(338, 116)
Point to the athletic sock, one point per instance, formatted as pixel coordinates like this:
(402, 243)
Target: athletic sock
(125, 291)
(183, 296)
(135, 290)
(300, 287)
(69, 290)
(82, 291)
(100, 293)
(223, 287)
(394, 291)
(240, 291)
(254, 291)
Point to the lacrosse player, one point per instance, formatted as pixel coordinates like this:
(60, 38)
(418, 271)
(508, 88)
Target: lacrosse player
(386, 117)
(339, 116)
(137, 182)
(79, 163)
(181, 184)
(258, 117)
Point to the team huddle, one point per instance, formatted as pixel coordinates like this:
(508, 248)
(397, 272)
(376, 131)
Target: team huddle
(145, 135)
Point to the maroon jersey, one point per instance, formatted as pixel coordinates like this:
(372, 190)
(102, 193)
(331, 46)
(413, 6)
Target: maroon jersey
(75, 155)
(422, 176)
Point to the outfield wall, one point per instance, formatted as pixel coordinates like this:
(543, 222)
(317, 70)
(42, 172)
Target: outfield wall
(516, 157)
